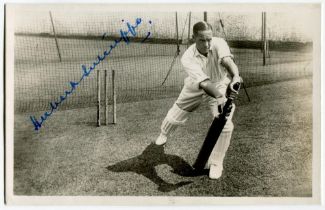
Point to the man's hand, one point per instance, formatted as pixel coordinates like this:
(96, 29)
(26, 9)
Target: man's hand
(232, 92)
(235, 79)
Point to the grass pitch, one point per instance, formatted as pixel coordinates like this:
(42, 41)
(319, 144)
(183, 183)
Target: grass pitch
(270, 153)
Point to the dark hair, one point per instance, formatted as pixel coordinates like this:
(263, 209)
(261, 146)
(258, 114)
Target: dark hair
(201, 26)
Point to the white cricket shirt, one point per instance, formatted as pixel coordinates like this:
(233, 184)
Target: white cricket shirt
(199, 68)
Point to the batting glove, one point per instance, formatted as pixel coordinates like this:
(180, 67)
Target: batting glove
(235, 79)
(231, 91)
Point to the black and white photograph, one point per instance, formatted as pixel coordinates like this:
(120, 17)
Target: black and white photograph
(165, 104)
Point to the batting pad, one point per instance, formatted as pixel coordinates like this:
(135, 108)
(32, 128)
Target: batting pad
(219, 151)
(175, 117)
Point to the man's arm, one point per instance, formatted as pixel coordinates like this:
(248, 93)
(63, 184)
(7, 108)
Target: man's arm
(230, 65)
(232, 69)
(210, 89)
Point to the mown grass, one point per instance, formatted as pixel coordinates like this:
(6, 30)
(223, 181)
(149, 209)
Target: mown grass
(270, 152)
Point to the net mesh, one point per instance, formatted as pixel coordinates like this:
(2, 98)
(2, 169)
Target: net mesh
(45, 62)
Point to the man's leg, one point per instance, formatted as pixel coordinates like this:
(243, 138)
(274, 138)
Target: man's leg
(188, 100)
(215, 162)
(174, 117)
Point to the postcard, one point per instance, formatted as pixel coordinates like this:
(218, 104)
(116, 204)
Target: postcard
(162, 104)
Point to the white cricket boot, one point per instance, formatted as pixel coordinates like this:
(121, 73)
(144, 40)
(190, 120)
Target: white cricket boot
(161, 140)
(215, 171)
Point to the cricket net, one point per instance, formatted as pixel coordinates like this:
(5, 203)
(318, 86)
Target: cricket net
(51, 47)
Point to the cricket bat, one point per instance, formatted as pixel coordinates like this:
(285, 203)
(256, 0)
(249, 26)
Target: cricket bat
(213, 134)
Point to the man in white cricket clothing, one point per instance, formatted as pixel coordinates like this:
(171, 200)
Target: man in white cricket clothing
(211, 69)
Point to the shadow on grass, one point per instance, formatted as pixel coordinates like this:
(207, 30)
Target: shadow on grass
(152, 156)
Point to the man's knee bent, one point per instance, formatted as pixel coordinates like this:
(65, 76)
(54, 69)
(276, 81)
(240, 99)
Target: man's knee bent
(175, 116)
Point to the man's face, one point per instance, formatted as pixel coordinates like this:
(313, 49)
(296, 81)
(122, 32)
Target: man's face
(203, 40)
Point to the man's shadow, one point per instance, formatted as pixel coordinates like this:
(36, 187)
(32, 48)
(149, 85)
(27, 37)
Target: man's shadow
(152, 156)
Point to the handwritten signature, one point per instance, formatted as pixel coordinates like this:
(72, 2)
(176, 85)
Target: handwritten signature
(86, 71)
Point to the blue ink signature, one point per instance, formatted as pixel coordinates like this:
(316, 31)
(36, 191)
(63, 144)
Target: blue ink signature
(148, 35)
(54, 105)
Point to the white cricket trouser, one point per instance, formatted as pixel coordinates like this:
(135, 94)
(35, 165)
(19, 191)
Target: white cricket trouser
(189, 100)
